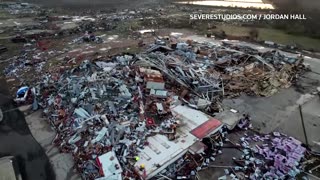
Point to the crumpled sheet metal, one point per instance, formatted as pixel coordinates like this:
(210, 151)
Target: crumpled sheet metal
(211, 69)
(96, 109)
(87, 109)
(94, 104)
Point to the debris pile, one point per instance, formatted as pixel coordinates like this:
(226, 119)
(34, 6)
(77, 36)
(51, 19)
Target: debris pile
(285, 152)
(209, 70)
(272, 156)
(21, 8)
(188, 166)
(114, 105)
(88, 37)
(105, 110)
(125, 116)
(100, 107)
(32, 59)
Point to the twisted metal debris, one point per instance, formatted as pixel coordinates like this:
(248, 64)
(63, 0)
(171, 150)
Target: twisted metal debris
(100, 107)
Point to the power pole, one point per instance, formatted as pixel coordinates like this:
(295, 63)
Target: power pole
(303, 127)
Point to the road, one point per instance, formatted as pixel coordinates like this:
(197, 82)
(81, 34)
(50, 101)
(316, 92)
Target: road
(17, 140)
(280, 112)
(62, 163)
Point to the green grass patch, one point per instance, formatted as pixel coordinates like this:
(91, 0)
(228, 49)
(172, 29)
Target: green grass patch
(274, 35)
(123, 29)
(5, 15)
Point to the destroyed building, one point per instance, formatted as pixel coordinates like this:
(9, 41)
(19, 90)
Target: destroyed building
(150, 114)
(134, 115)
(108, 114)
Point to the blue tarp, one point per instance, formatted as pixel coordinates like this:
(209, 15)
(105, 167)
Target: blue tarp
(22, 90)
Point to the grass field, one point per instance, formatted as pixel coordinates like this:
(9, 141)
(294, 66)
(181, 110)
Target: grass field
(274, 35)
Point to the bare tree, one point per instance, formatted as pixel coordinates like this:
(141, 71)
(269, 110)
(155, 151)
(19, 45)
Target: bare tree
(253, 34)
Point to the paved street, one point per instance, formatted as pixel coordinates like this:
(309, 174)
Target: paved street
(62, 163)
(16, 140)
(280, 112)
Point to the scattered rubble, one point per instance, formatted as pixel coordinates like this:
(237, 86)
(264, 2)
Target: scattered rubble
(88, 37)
(208, 69)
(115, 105)
(21, 8)
(150, 114)
(3, 49)
(33, 58)
(271, 156)
(101, 107)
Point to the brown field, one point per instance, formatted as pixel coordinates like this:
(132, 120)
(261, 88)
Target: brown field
(99, 4)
